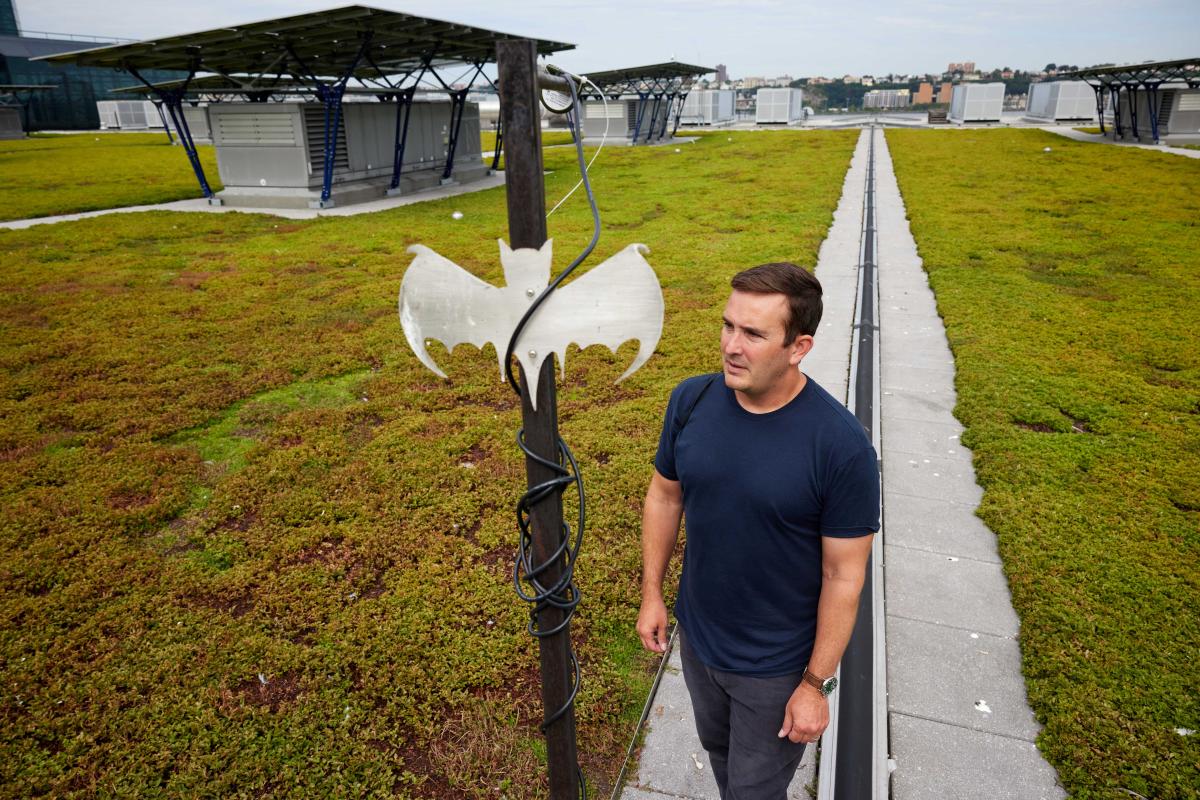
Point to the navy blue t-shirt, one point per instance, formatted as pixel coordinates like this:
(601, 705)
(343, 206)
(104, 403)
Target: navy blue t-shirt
(759, 492)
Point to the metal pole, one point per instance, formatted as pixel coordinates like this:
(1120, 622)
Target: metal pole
(520, 118)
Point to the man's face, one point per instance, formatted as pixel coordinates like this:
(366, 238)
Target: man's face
(756, 360)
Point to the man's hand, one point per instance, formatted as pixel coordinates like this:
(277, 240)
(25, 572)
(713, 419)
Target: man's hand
(652, 625)
(806, 715)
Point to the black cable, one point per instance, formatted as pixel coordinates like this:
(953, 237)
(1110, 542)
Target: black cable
(563, 594)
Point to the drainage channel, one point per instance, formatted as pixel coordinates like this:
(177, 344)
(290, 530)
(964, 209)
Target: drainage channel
(854, 749)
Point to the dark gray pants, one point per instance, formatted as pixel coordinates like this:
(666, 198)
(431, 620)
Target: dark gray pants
(738, 718)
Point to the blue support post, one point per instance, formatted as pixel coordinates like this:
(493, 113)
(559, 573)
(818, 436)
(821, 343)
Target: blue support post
(404, 101)
(458, 107)
(499, 144)
(458, 104)
(1152, 102)
(679, 112)
(158, 106)
(331, 96)
(1114, 93)
(653, 117)
(641, 109)
(1099, 90)
(667, 116)
(172, 100)
(1131, 95)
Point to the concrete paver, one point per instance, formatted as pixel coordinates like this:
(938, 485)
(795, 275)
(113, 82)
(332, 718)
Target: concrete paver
(946, 761)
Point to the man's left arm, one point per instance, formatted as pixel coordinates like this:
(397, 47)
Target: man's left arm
(843, 571)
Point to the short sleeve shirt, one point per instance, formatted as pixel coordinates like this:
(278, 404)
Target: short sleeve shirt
(759, 492)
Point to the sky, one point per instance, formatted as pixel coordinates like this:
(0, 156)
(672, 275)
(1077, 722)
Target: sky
(765, 38)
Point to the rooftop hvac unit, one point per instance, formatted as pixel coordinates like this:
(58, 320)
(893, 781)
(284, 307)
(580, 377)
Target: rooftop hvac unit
(1061, 100)
(273, 154)
(107, 109)
(707, 107)
(977, 102)
(779, 106)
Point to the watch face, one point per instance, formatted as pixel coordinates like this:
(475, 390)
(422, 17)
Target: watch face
(829, 685)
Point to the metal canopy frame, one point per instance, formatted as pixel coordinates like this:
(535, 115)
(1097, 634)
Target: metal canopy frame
(667, 83)
(1148, 77)
(322, 52)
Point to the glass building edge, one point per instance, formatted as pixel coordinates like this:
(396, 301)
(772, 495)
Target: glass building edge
(71, 106)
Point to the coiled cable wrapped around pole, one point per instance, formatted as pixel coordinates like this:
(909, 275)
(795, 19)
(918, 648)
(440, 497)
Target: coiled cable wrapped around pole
(547, 583)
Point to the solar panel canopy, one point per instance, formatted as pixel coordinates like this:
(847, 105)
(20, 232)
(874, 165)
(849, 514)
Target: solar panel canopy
(357, 39)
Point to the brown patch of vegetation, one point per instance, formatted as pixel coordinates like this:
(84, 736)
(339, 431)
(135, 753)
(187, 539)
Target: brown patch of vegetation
(192, 281)
(125, 499)
(275, 693)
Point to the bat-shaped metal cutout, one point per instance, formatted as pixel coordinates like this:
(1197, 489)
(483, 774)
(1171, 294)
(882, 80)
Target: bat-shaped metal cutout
(613, 302)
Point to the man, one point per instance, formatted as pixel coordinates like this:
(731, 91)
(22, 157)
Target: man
(780, 489)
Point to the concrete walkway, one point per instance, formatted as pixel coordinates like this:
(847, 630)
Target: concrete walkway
(201, 206)
(1098, 138)
(959, 722)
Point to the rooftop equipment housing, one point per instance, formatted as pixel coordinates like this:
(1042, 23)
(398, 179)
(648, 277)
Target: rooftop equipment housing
(271, 154)
(297, 139)
(643, 103)
(130, 115)
(1155, 102)
(977, 102)
(708, 107)
(779, 106)
(1061, 101)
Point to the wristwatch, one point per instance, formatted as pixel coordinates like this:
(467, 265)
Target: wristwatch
(823, 685)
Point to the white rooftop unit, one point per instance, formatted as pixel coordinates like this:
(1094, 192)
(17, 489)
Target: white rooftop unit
(128, 115)
(708, 107)
(272, 154)
(779, 106)
(620, 117)
(977, 102)
(1061, 100)
(1178, 116)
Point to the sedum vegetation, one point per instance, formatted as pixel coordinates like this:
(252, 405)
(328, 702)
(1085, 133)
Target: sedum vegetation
(50, 174)
(1068, 285)
(251, 547)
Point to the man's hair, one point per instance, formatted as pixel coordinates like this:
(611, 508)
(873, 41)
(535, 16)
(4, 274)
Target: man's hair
(802, 289)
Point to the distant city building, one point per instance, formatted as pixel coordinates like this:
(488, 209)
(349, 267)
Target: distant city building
(819, 80)
(722, 74)
(887, 98)
(868, 80)
(1008, 73)
(924, 95)
(945, 92)
(783, 81)
(964, 67)
(753, 82)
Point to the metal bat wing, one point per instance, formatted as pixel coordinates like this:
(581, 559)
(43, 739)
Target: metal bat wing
(617, 300)
(441, 300)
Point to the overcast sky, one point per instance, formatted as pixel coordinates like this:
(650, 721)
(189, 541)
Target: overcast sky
(753, 37)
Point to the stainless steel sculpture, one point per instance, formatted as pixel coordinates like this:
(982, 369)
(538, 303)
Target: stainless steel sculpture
(618, 300)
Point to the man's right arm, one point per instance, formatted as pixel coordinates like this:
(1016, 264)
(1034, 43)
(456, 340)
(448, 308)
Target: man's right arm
(661, 516)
